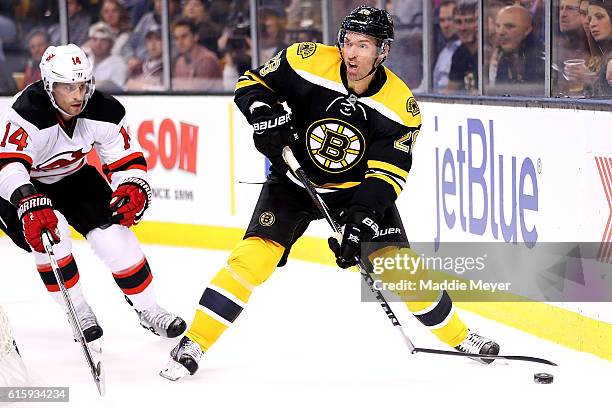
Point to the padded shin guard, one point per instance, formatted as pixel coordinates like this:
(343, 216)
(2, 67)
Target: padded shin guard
(119, 249)
(250, 263)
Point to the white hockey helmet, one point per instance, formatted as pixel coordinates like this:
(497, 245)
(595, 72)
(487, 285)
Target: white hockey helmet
(66, 64)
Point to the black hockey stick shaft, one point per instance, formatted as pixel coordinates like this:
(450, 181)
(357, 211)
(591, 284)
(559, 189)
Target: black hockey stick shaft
(363, 270)
(367, 277)
(96, 370)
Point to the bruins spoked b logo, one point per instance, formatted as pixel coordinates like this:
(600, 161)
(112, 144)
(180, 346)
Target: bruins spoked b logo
(335, 145)
(266, 219)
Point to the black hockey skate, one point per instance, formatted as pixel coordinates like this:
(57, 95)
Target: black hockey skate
(477, 344)
(161, 322)
(88, 322)
(185, 359)
(92, 332)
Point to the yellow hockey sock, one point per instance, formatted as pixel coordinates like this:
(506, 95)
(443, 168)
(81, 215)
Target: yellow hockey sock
(250, 263)
(432, 308)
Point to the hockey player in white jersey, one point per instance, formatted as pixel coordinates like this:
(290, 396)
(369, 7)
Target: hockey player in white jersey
(46, 184)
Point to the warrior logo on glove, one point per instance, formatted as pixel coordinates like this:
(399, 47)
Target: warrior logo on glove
(36, 214)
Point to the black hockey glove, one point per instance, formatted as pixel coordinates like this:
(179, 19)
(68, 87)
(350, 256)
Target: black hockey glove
(359, 226)
(272, 131)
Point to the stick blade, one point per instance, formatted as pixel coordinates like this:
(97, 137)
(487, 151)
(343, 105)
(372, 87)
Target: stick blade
(488, 356)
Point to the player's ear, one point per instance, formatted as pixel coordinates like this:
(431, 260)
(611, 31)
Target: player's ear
(385, 52)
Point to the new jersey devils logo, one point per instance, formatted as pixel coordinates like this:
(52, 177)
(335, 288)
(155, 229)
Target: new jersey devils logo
(63, 159)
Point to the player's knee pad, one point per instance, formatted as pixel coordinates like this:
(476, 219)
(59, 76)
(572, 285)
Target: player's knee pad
(254, 259)
(116, 246)
(61, 249)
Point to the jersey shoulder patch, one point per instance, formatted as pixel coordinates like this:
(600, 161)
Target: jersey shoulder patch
(34, 106)
(316, 59)
(103, 107)
(397, 97)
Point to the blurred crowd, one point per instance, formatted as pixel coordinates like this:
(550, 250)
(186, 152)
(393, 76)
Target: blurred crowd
(513, 54)
(210, 40)
(211, 45)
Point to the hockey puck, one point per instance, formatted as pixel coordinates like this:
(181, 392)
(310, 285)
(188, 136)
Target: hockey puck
(543, 378)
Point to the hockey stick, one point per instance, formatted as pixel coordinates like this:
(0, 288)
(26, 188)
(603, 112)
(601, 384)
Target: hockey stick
(96, 370)
(367, 277)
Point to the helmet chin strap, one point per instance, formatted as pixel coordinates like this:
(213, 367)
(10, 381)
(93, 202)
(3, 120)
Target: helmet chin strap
(63, 112)
(374, 66)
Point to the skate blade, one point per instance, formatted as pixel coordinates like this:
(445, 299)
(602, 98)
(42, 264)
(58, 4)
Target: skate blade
(96, 345)
(100, 379)
(174, 371)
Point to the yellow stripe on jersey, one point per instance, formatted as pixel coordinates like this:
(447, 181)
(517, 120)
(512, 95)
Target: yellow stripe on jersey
(391, 168)
(319, 60)
(348, 184)
(396, 187)
(250, 79)
(397, 97)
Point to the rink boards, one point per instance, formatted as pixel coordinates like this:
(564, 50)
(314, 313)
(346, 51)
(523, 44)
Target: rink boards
(548, 171)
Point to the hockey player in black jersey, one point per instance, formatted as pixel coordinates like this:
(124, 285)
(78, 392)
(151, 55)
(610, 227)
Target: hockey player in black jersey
(46, 184)
(352, 127)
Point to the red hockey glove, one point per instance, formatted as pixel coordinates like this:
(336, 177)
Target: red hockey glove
(129, 201)
(36, 214)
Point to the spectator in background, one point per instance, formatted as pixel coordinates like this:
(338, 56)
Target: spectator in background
(444, 58)
(593, 78)
(236, 59)
(37, 42)
(236, 33)
(208, 30)
(113, 14)
(584, 10)
(8, 31)
(600, 25)
(109, 70)
(595, 53)
(78, 24)
(7, 83)
(463, 75)
(571, 43)
(235, 45)
(304, 15)
(573, 40)
(536, 10)
(196, 68)
(136, 9)
(491, 10)
(272, 28)
(152, 69)
(518, 58)
(135, 50)
(406, 60)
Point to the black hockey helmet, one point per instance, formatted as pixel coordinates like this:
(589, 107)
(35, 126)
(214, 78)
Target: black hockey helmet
(370, 21)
